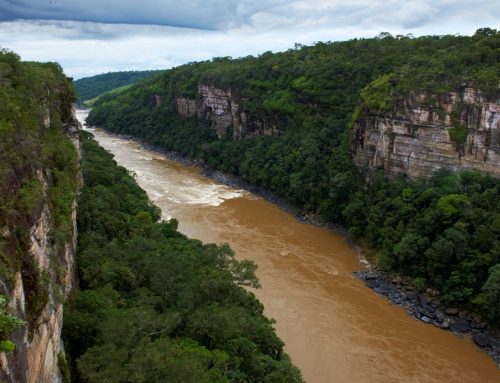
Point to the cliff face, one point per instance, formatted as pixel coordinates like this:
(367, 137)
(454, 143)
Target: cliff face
(40, 179)
(457, 131)
(38, 344)
(222, 108)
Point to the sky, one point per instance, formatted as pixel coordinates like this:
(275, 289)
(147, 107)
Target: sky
(89, 37)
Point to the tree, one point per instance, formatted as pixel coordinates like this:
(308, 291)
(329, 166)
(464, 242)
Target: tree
(451, 206)
(491, 291)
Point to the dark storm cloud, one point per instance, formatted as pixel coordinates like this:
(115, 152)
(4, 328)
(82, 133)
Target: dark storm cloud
(207, 14)
(268, 15)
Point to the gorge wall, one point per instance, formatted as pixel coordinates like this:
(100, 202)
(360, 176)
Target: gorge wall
(39, 348)
(457, 130)
(39, 168)
(222, 108)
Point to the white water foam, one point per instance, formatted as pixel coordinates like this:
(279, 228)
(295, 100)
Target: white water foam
(159, 180)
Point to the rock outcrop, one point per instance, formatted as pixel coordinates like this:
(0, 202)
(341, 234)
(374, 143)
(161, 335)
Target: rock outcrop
(222, 108)
(423, 133)
(38, 344)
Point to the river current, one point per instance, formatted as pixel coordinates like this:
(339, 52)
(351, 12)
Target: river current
(335, 329)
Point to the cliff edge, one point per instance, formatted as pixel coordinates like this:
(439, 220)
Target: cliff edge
(39, 154)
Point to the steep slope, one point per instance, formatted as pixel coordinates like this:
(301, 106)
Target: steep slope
(91, 102)
(39, 172)
(424, 132)
(89, 88)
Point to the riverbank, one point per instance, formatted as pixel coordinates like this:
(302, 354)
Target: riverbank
(237, 182)
(429, 308)
(380, 282)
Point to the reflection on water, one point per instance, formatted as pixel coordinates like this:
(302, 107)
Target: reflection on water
(334, 328)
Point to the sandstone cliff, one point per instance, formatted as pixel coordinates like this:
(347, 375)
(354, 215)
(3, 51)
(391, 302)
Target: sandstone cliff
(40, 178)
(223, 109)
(457, 130)
(38, 344)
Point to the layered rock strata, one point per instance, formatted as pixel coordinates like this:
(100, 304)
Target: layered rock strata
(423, 133)
(222, 108)
(38, 345)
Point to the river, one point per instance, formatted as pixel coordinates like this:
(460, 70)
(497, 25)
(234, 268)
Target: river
(335, 329)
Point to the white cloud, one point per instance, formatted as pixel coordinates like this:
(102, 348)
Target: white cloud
(87, 48)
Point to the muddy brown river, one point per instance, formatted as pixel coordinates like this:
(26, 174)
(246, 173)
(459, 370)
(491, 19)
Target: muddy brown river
(334, 328)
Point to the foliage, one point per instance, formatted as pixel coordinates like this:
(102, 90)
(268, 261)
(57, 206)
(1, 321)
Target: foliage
(458, 134)
(155, 306)
(89, 88)
(63, 368)
(442, 231)
(492, 293)
(378, 94)
(60, 156)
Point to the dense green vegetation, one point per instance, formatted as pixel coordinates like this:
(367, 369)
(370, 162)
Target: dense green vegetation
(89, 88)
(155, 306)
(115, 90)
(311, 94)
(443, 231)
(35, 109)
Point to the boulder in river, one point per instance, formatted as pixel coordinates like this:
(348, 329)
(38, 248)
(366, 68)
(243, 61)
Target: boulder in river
(380, 290)
(397, 280)
(432, 292)
(481, 340)
(426, 319)
(371, 283)
(445, 324)
(460, 326)
(424, 300)
(428, 312)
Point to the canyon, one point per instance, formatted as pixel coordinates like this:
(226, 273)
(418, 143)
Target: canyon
(39, 348)
(334, 328)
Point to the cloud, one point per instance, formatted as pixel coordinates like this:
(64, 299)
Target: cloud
(385, 14)
(232, 28)
(198, 14)
(259, 15)
(125, 47)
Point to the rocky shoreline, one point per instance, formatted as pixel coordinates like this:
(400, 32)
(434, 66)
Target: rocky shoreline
(429, 308)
